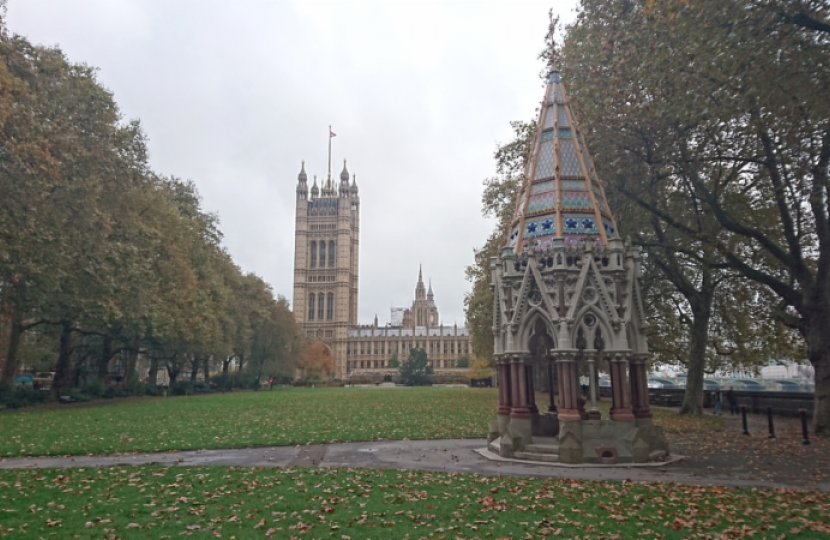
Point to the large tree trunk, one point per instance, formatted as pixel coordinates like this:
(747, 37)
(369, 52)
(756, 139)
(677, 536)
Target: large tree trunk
(698, 340)
(194, 367)
(173, 370)
(63, 370)
(132, 360)
(10, 367)
(153, 373)
(817, 335)
(104, 360)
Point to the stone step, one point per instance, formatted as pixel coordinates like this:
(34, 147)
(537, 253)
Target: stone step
(537, 456)
(542, 448)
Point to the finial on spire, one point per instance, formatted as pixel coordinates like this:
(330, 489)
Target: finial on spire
(302, 177)
(344, 175)
(553, 55)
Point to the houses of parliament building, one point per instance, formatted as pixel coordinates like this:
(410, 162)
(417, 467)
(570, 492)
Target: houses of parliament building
(326, 268)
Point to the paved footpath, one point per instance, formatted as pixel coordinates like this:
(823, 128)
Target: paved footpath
(452, 455)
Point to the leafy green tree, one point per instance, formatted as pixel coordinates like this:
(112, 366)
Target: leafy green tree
(394, 362)
(104, 255)
(479, 368)
(416, 369)
(737, 123)
(463, 361)
(499, 201)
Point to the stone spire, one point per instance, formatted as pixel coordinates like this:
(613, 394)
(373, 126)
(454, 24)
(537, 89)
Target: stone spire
(314, 189)
(561, 196)
(302, 177)
(420, 290)
(430, 296)
(302, 186)
(344, 181)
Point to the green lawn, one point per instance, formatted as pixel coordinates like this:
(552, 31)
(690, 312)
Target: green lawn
(344, 504)
(241, 419)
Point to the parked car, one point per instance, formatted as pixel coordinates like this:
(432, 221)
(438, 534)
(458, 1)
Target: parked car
(24, 380)
(661, 383)
(43, 380)
(604, 387)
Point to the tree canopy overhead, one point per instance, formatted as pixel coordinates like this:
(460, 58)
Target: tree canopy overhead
(723, 106)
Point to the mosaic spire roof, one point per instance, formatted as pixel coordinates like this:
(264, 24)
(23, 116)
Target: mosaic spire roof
(561, 196)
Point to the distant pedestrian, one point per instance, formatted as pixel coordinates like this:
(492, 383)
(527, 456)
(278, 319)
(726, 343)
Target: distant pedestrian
(732, 400)
(716, 397)
(271, 382)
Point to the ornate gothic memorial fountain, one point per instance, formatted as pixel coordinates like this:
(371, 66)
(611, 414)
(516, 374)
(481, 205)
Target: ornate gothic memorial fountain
(567, 303)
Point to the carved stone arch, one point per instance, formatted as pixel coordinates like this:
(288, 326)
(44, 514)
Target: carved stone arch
(590, 330)
(528, 326)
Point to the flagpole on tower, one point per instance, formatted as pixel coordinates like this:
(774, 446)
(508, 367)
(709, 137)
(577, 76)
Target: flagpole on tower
(329, 152)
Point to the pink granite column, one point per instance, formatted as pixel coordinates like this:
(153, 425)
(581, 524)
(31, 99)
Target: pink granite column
(519, 405)
(568, 390)
(639, 386)
(551, 403)
(505, 394)
(621, 407)
(531, 388)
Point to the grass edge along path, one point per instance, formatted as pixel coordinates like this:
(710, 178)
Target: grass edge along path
(267, 418)
(233, 502)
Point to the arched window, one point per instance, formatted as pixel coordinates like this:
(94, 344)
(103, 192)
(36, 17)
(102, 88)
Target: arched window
(313, 257)
(331, 254)
(311, 307)
(322, 254)
(321, 299)
(330, 307)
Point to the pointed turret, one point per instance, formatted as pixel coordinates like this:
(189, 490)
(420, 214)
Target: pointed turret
(344, 181)
(302, 185)
(561, 197)
(430, 296)
(420, 291)
(354, 184)
(302, 178)
(326, 188)
(314, 190)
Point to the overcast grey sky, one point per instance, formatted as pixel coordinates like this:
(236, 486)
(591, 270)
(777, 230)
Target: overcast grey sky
(233, 95)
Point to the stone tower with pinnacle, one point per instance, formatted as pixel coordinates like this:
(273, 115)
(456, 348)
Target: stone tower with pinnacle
(326, 249)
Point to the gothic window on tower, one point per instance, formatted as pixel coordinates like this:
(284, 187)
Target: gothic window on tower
(321, 299)
(313, 256)
(311, 307)
(331, 254)
(330, 307)
(322, 254)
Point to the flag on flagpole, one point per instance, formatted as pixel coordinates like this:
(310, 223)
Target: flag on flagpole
(332, 134)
